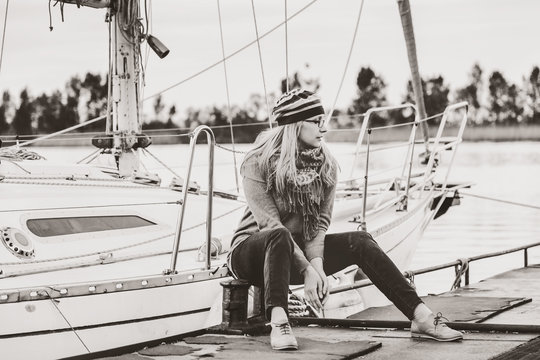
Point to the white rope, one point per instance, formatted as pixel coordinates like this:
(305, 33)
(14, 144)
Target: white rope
(501, 200)
(74, 184)
(229, 112)
(286, 50)
(202, 71)
(89, 156)
(3, 35)
(92, 206)
(53, 301)
(347, 62)
(161, 162)
(261, 63)
(29, 142)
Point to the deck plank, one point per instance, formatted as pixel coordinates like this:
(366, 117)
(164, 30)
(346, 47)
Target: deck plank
(320, 342)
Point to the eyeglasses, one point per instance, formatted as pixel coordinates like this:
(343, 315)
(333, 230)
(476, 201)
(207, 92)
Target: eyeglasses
(319, 122)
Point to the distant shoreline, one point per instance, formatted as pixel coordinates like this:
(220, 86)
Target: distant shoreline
(471, 134)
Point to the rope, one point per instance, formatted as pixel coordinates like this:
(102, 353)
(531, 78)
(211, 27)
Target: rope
(92, 206)
(229, 113)
(460, 271)
(63, 131)
(347, 62)
(161, 162)
(286, 49)
(88, 156)
(261, 63)
(502, 201)
(19, 154)
(297, 306)
(408, 123)
(91, 138)
(53, 301)
(8, 181)
(3, 35)
(231, 150)
(202, 71)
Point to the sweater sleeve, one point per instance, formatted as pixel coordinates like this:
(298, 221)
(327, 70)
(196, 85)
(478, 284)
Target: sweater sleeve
(263, 207)
(315, 247)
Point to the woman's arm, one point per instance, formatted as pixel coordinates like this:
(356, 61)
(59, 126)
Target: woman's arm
(315, 247)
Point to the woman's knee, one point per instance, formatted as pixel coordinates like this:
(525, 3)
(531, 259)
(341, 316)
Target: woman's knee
(362, 241)
(280, 237)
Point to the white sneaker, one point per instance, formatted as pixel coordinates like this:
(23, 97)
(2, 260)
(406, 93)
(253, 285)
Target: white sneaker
(434, 328)
(282, 338)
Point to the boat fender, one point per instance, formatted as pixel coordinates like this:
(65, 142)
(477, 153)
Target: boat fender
(17, 243)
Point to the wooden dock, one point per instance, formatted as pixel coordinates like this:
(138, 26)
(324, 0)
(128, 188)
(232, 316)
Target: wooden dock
(512, 302)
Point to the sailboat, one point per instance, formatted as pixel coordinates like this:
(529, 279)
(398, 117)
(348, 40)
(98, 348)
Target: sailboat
(95, 258)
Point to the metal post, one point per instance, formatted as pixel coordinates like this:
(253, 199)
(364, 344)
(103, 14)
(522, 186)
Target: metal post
(211, 142)
(525, 257)
(364, 205)
(406, 198)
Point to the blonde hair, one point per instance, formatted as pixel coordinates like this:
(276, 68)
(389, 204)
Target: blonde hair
(283, 140)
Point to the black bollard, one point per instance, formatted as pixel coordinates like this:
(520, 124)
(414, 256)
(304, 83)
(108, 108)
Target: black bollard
(235, 298)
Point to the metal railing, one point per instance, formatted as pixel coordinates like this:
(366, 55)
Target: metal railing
(366, 129)
(406, 173)
(211, 143)
(461, 267)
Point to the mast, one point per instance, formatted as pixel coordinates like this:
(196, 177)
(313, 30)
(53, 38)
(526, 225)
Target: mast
(408, 32)
(125, 83)
(124, 80)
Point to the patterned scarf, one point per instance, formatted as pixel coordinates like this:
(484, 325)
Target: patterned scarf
(303, 195)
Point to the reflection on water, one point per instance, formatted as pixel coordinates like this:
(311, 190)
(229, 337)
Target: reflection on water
(507, 171)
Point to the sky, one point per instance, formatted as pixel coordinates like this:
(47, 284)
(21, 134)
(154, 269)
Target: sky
(451, 36)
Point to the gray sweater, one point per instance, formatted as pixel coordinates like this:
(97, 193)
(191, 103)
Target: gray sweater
(265, 212)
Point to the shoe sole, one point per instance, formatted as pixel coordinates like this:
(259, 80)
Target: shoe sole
(286, 347)
(425, 336)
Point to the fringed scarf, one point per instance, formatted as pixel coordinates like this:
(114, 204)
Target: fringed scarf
(303, 194)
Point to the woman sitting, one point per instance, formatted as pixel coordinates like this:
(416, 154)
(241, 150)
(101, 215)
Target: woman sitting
(289, 181)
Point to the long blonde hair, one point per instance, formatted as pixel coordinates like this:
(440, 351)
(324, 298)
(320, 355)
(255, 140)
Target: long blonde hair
(283, 140)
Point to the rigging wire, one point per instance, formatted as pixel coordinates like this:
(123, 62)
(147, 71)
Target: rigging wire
(261, 63)
(347, 62)
(209, 67)
(286, 50)
(229, 113)
(3, 35)
(500, 200)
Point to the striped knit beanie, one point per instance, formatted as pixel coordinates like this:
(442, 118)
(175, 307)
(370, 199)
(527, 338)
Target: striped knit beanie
(297, 105)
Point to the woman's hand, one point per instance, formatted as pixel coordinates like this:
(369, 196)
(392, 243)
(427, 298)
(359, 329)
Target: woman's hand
(312, 285)
(317, 264)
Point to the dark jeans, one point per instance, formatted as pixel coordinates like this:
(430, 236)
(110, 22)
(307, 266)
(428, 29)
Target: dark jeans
(265, 259)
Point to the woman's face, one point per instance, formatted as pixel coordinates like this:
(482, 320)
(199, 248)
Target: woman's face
(310, 132)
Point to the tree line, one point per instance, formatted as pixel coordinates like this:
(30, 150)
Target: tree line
(493, 101)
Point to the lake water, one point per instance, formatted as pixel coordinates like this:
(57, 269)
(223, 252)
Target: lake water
(505, 170)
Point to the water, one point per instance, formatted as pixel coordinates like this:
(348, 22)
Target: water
(507, 171)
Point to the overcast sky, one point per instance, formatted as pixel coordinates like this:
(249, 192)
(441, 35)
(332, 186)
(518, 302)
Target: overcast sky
(451, 36)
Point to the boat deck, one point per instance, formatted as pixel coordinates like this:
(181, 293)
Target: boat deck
(520, 289)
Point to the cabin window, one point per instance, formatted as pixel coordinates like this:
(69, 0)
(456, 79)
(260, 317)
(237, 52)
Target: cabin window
(84, 224)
